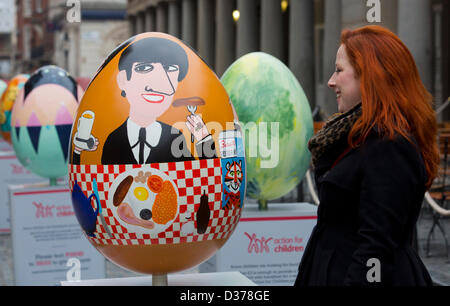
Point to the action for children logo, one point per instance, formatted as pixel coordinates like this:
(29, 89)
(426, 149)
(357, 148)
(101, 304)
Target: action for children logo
(48, 211)
(259, 245)
(17, 169)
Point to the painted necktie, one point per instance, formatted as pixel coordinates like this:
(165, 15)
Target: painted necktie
(142, 139)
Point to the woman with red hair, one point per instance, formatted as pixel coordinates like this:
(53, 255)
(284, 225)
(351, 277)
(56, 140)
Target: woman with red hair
(373, 162)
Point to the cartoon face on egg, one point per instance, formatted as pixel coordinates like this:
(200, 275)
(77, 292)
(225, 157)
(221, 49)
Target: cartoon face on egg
(144, 202)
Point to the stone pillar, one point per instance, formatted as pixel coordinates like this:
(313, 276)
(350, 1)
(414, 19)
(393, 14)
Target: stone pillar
(174, 19)
(150, 20)
(161, 17)
(272, 32)
(332, 35)
(225, 35)
(205, 30)
(247, 28)
(389, 14)
(132, 24)
(414, 29)
(301, 46)
(189, 23)
(140, 23)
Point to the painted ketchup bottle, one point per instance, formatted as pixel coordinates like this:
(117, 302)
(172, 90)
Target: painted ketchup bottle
(203, 214)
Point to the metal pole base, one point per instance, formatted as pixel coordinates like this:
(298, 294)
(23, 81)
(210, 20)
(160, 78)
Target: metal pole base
(159, 280)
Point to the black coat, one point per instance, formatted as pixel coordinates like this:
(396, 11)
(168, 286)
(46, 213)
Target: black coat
(369, 205)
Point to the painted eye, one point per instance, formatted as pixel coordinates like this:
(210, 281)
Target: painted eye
(140, 193)
(171, 68)
(143, 68)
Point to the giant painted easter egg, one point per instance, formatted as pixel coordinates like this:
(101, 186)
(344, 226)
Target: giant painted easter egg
(3, 86)
(157, 169)
(7, 101)
(42, 119)
(276, 118)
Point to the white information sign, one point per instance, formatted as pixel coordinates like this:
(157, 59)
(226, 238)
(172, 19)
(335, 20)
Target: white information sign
(267, 246)
(6, 147)
(48, 243)
(11, 172)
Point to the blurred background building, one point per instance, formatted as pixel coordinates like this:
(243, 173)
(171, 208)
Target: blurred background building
(304, 34)
(81, 47)
(7, 36)
(43, 33)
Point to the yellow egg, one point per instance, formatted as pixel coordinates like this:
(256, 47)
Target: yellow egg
(141, 193)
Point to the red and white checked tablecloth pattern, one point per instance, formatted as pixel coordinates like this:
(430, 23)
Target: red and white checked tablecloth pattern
(192, 179)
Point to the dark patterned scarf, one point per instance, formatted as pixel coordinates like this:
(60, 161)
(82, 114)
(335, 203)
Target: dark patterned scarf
(334, 129)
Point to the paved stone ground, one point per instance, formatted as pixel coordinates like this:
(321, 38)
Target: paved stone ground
(438, 261)
(437, 264)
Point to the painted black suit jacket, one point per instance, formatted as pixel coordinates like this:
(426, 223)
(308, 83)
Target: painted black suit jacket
(117, 149)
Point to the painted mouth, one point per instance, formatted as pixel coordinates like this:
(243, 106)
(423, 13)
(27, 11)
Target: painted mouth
(153, 98)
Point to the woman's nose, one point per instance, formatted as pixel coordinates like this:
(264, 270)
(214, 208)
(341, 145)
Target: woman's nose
(331, 82)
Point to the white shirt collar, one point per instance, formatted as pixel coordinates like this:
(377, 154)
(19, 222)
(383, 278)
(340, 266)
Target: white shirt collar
(152, 136)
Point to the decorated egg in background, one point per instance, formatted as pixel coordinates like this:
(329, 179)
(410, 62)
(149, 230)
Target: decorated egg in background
(3, 86)
(157, 169)
(7, 102)
(42, 119)
(272, 105)
(83, 82)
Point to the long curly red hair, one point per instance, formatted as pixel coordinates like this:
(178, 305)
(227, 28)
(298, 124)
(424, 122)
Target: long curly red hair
(393, 96)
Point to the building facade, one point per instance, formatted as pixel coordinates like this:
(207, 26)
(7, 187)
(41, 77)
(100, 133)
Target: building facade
(7, 36)
(74, 35)
(82, 45)
(304, 34)
(33, 45)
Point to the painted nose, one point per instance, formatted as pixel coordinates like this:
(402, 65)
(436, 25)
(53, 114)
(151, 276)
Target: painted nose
(160, 82)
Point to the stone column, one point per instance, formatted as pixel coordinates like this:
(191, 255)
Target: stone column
(332, 34)
(132, 24)
(150, 20)
(189, 23)
(174, 19)
(301, 46)
(247, 28)
(161, 17)
(272, 28)
(225, 36)
(414, 29)
(140, 23)
(389, 14)
(205, 30)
